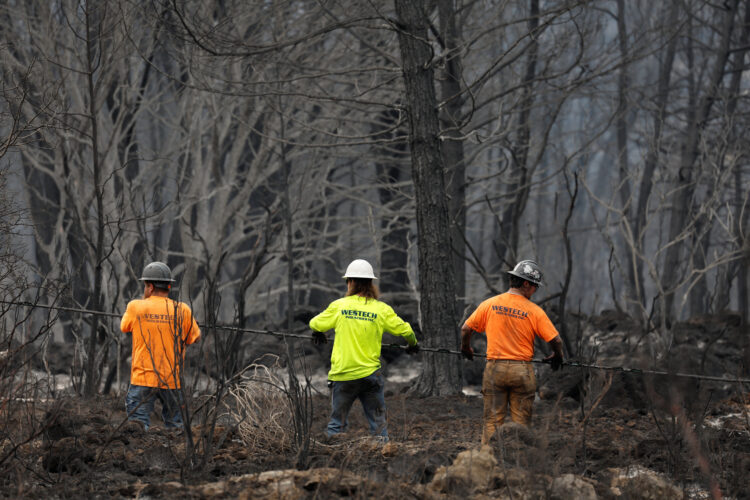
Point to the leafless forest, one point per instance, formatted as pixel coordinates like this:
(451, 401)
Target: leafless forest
(258, 146)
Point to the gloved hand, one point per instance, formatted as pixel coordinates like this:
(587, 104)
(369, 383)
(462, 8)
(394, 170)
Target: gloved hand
(319, 338)
(304, 316)
(412, 349)
(555, 361)
(468, 353)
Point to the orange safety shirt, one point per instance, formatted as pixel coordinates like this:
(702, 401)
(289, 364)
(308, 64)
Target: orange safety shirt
(156, 323)
(511, 321)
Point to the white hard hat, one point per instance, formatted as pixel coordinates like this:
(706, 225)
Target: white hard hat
(359, 268)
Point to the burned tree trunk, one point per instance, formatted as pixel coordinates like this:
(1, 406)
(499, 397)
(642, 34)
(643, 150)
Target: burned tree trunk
(440, 375)
(451, 118)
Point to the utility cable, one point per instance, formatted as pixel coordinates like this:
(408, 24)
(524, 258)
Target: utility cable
(576, 364)
(438, 350)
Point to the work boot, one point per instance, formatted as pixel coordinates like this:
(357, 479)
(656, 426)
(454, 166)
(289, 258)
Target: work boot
(133, 427)
(332, 439)
(324, 438)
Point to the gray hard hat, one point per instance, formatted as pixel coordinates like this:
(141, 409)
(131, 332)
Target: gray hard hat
(157, 272)
(528, 270)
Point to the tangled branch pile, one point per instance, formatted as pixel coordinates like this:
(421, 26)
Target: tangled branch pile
(262, 412)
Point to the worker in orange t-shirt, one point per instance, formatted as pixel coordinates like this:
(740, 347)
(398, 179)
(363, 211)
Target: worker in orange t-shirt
(161, 330)
(511, 321)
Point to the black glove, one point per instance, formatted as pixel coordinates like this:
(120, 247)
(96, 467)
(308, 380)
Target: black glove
(319, 338)
(555, 361)
(304, 316)
(412, 349)
(468, 353)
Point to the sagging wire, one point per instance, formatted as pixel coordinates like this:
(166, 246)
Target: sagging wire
(438, 350)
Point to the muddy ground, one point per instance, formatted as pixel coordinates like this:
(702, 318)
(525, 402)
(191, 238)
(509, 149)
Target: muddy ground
(86, 453)
(594, 435)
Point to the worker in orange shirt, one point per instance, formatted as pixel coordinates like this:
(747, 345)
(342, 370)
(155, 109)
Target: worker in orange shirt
(511, 321)
(161, 330)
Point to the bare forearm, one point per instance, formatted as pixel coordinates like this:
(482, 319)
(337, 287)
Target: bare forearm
(466, 333)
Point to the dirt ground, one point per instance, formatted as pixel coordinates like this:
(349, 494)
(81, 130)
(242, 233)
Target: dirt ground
(600, 432)
(86, 453)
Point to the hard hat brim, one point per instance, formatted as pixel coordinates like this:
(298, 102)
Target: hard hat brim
(526, 278)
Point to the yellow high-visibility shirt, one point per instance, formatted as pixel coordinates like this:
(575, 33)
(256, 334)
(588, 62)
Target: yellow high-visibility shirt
(359, 324)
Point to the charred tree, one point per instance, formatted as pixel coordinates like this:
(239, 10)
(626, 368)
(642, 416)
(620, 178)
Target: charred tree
(441, 375)
(93, 34)
(623, 164)
(392, 172)
(451, 121)
(652, 156)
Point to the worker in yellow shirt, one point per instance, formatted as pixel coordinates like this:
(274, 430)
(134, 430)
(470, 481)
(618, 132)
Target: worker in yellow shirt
(359, 320)
(161, 329)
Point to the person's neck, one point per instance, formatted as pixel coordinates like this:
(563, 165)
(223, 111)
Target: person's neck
(518, 291)
(159, 294)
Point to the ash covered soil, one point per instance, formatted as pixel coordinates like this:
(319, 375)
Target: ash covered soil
(595, 435)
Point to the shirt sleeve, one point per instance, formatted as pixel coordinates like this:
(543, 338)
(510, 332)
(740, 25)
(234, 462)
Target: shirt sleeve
(394, 325)
(544, 327)
(128, 319)
(325, 320)
(194, 333)
(478, 319)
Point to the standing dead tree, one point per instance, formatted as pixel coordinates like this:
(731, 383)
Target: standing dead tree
(436, 290)
(452, 120)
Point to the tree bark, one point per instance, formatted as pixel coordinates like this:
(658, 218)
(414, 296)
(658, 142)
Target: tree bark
(441, 375)
(92, 377)
(652, 156)
(391, 170)
(634, 298)
(453, 147)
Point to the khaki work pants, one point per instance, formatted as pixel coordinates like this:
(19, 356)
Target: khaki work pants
(506, 382)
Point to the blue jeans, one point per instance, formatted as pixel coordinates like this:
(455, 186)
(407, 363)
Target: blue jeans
(370, 391)
(140, 400)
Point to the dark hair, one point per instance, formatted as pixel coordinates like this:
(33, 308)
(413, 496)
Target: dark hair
(515, 281)
(364, 287)
(160, 285)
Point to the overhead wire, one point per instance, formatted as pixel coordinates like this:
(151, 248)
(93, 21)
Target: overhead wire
(437, 350)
